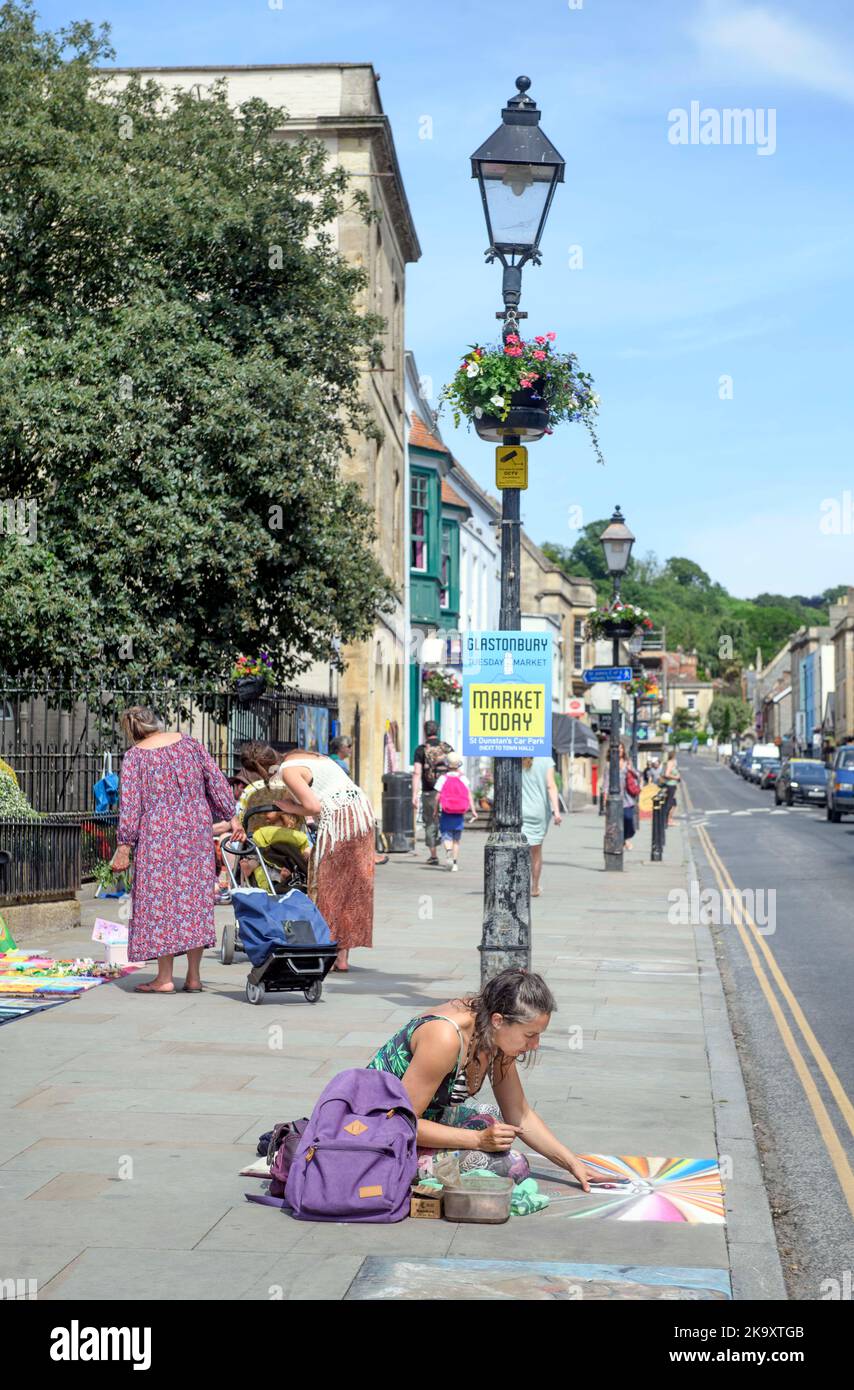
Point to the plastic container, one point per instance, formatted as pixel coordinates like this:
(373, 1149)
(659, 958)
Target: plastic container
(480, 1197)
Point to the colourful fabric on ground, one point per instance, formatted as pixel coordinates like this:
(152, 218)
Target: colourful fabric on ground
(24, 972)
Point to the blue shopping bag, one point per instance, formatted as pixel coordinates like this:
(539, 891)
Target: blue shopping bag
(106, 789)
(265, 920)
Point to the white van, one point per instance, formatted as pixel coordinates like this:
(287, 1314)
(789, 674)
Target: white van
(764, 750)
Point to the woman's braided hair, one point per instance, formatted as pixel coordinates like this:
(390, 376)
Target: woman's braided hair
(519, 996)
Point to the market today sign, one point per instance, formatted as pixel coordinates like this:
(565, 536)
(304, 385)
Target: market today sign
(507, 694)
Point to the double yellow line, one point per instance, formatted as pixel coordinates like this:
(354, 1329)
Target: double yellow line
(752, 938)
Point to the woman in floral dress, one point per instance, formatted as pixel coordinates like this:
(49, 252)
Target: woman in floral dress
(171, 793)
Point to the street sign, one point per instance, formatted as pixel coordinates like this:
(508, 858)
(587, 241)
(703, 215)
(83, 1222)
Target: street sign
(507, 694)
(643, 735)
(610, 675)
(511, 466)
(604, 723)
(575, 708)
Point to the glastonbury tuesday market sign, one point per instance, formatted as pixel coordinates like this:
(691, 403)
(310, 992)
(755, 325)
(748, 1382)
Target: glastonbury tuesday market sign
(507, 694)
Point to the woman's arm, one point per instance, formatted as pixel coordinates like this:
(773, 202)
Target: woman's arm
(435, 1051)
(130, 811)
(551, 791)
(532, 1130)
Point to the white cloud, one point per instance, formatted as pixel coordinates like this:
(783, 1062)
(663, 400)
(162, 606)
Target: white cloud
(777, 46)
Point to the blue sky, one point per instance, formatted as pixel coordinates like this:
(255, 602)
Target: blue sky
(699, 261)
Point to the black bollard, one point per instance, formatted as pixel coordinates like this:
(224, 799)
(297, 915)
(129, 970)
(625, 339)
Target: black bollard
(658, 827)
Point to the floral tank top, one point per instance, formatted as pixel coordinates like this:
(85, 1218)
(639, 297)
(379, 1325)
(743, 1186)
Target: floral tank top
(396, 1055)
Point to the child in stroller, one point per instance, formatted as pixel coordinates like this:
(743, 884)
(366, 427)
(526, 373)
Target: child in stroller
(286, 849)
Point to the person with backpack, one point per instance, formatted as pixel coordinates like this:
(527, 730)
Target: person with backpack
(630, 787)
(453, 800)
(429, 762)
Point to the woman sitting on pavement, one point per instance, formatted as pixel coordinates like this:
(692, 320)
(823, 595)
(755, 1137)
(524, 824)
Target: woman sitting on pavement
(443, 1059)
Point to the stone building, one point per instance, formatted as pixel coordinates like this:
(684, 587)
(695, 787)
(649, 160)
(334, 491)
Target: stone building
(340, 104)
(843, 665)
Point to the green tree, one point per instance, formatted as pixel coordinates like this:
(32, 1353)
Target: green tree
(687, 574)
(729, 717)
(179, 375)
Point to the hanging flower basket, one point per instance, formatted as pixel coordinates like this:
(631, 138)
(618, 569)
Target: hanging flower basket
(522, 388)
(616, 620)
(526, 416)
(251, 676)
(644, 688)
(446, 689)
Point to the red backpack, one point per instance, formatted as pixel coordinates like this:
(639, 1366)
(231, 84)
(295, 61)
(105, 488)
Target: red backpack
(454, 796)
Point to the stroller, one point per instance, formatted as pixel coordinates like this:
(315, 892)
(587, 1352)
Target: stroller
(285, 937)
(281, 864)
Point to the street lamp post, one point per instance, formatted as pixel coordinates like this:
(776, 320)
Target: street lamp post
(616, 541)
(518, 170)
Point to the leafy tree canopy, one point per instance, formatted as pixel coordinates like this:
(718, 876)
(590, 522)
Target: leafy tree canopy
(180, 358)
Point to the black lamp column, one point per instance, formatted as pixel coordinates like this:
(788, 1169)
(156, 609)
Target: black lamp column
(616, 541)
(517, 169)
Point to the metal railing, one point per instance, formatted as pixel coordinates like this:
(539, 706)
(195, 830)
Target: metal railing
(39, 860)
(55, 736)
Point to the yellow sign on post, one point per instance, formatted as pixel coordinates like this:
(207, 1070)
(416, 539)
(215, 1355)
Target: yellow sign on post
(511, 466)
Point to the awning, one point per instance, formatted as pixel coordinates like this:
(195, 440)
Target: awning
(586, 743)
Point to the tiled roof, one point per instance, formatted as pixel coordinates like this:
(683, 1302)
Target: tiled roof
(453, 498)
(420, 437)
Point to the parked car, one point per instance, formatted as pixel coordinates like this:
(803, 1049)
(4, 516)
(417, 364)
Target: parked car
(749, 766)
(769, 769)
(840, 784)
(803, 780)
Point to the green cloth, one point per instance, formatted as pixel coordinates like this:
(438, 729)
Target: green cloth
(527, 1199)
(7, 940)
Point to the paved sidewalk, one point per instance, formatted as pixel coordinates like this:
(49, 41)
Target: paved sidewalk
(126, 1118)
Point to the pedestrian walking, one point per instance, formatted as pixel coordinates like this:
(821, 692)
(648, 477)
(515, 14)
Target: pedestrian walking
(670, 780)
(695, 743)
(652, 771)
(341, 868)
(428, 764)
(443, 1059)
(630, 790)
(453, 799)
(171, 792)
(540, 806)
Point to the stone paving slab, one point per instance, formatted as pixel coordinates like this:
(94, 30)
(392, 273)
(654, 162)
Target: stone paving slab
(182, 1087)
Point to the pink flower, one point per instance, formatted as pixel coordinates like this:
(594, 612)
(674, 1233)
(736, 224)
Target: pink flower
(540, 340)
(513, 351)
(551, 337)
(539, 355)
(512, 338)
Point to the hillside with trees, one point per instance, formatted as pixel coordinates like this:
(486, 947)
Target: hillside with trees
(696, 612)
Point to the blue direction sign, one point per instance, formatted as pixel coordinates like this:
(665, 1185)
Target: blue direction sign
(611, 675)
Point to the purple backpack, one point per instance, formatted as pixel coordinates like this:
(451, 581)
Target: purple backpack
(356, 1159)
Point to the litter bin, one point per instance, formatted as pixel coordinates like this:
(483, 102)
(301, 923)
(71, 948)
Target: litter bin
(398, 828)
